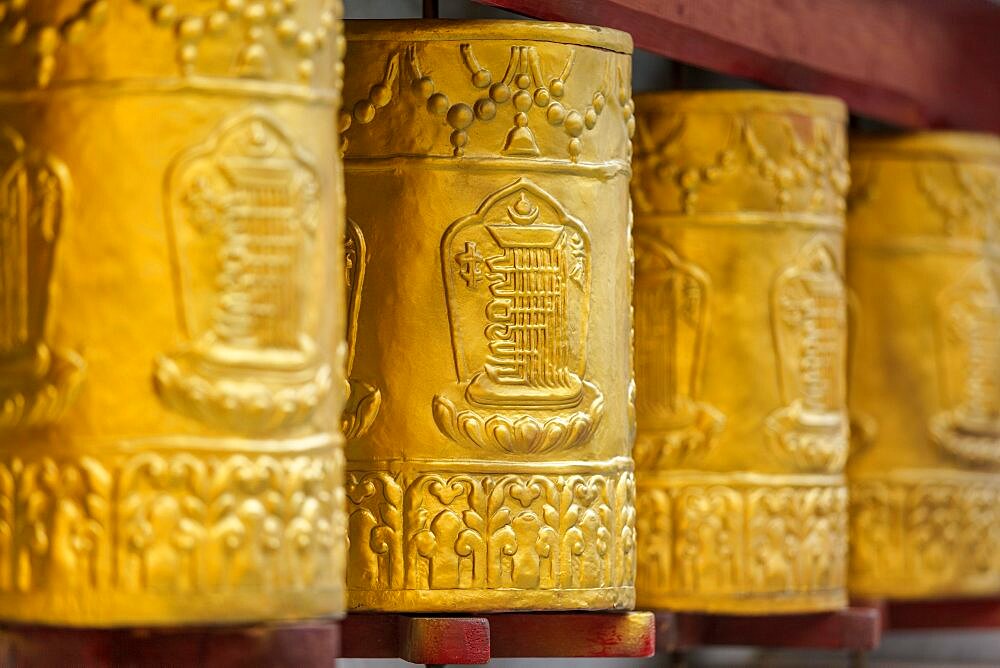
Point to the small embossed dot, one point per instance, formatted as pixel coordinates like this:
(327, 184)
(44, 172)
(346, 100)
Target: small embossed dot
(364, 111)
(97, 12)
(522, 81)
(218, 21)
(522, 100)
(556, 113)
(191, 28)
(459, 138)
(306, 68)
(287, 29)
(380, 95)
(482, 78)
(188, 53)
(344, 123)
(599, 102)
(499, 92)
(18, 32)
(590, 118)
(542, 97)
(164, 14)
(574, 123)
(486, 109)
(47, 40)
(460, 116)
(424, 87)
(438, 103)
(521, 119)
(575, 148)
(74, 31)
(557, 87)
(306, 43)
(255, 13)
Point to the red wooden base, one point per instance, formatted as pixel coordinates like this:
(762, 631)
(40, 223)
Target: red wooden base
(974, 613)
(472, 640)
(855, 629)
(307, 644)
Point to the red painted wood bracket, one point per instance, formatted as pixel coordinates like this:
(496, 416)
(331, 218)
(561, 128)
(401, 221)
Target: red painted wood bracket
(915, 63)
(304, 644)
(971, 613)
(472, 640)
(855, 628)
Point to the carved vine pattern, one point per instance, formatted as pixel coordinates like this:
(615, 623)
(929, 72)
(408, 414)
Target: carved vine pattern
(480, 531)
(718, 540)
(170, 524)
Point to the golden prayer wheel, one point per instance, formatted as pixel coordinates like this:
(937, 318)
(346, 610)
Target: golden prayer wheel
(740, 330)
(489, 428)
(170, 303)
(924, 268)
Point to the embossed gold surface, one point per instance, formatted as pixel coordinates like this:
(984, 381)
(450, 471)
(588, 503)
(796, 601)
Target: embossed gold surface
(170, 299)
(487, 166)
(924, 266)
(740, 335)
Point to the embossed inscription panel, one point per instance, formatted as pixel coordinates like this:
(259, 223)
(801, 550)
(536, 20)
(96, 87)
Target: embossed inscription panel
(525, 263)
(250, 198)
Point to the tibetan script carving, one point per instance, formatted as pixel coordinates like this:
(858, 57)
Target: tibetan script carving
(523, 262)
(37, 381)
(672, 318)
(249, 198)
(809, 313)
(969, 352)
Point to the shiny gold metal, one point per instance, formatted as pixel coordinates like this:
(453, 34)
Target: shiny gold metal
(924, 266)
(487, 166)
(740, 327)
(169, 208)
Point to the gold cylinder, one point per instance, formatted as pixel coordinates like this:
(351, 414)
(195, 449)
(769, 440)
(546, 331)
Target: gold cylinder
(489, 429)
(924, 268)
(170, 299)
(740, 327)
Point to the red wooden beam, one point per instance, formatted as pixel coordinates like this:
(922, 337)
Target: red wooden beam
(856, 629)
(972, 613)
(476, 639)
(306, 644)
(915, 63)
